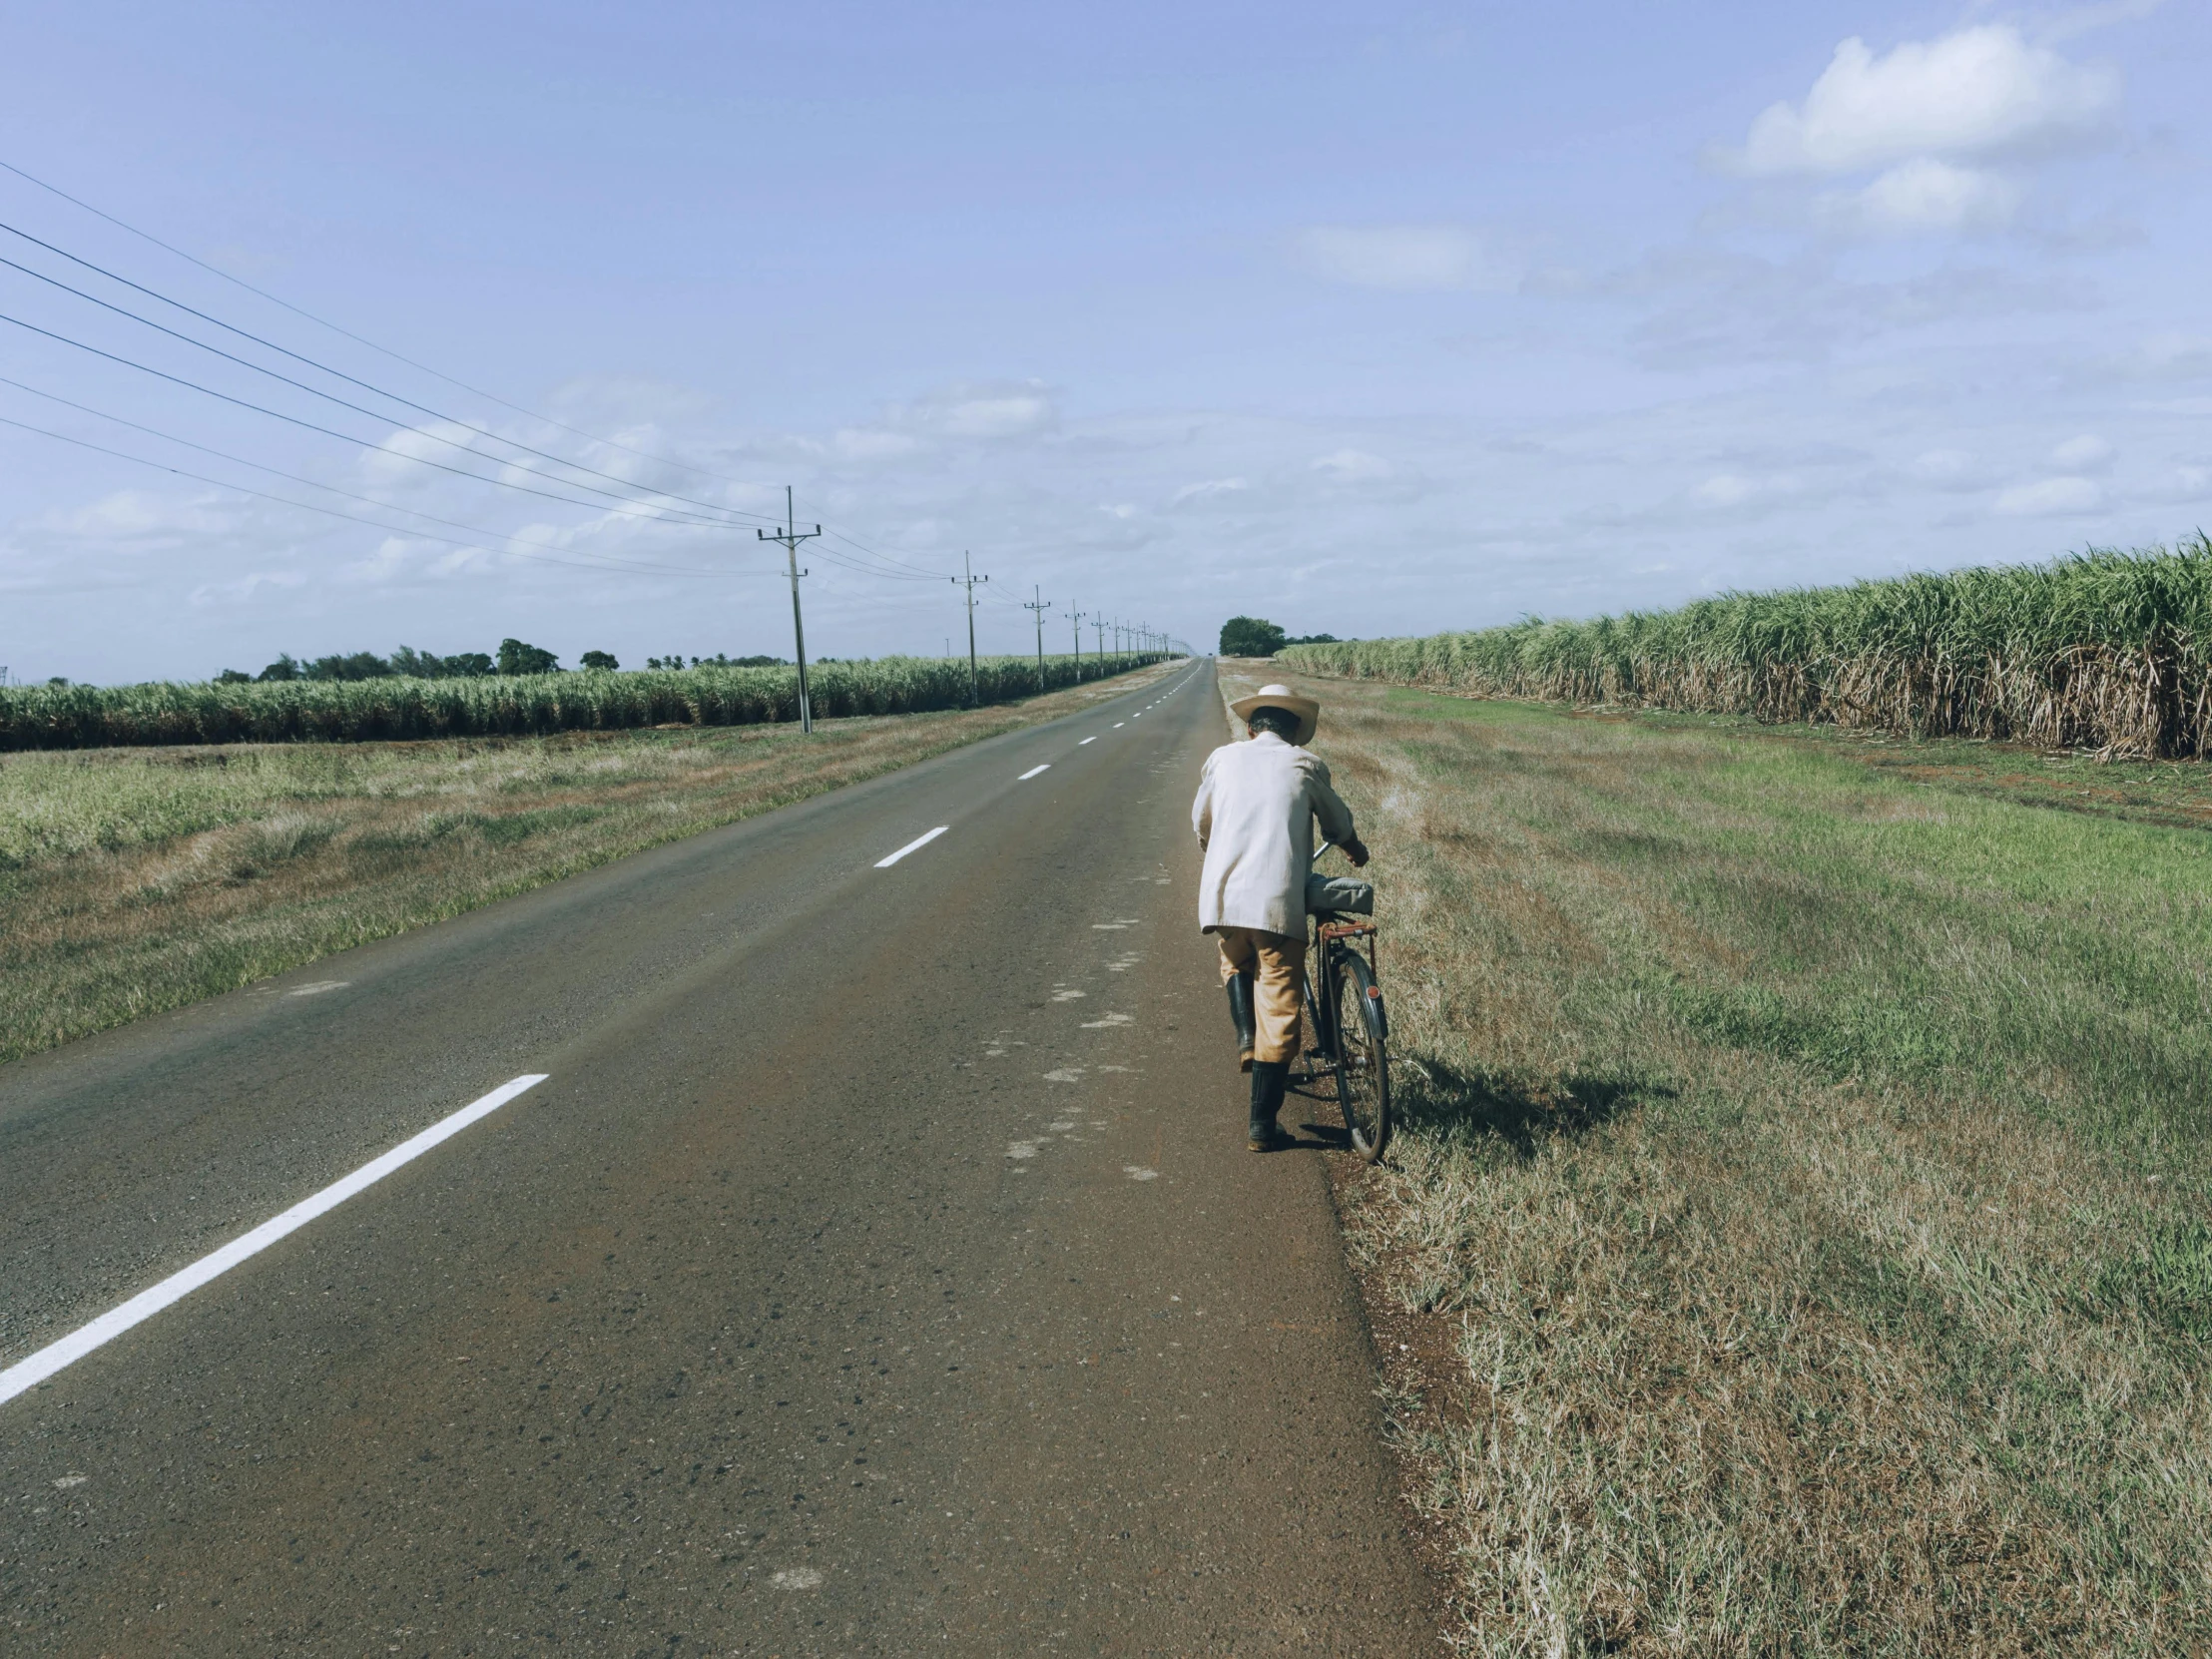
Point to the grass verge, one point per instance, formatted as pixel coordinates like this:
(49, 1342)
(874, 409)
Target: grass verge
(132, 881)
(1801, 1236)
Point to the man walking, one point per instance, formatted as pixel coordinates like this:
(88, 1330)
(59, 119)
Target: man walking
(1253, 814)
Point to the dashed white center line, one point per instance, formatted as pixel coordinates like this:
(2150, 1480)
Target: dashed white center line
(915, 845)
(29, 1373)
(1119, 723)
(1093, 737)
(1033, 772)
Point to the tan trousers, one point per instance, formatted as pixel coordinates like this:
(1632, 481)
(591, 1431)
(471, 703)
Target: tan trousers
(1277, 963)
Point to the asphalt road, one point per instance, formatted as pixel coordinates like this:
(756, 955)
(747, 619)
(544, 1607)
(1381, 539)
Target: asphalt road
(877, 1268)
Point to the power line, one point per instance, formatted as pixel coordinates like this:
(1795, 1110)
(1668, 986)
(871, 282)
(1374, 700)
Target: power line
(279, 473)
(339, 373)
(348, 333)
(410, 362)
(609, 563)
(633, 496)
(331, 397)
(662, 517)
(661, 514)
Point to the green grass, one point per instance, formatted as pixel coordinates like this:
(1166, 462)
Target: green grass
(1805, 1210)
(364, 710)
(2104, 650)
(134, 880)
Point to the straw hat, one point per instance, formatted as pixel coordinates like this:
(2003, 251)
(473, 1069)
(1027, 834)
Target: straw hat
(1281, 697)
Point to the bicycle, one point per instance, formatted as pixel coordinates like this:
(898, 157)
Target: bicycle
(1351, 1026)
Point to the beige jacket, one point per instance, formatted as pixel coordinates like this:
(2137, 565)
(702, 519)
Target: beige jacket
(1253, 814)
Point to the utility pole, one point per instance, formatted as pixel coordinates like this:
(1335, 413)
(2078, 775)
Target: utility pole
(1075, 625)
(968, 580)
(1039, 606)
(790, 538)
(1099, 626)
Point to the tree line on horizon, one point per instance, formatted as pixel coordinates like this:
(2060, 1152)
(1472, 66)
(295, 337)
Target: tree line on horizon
(514, 657)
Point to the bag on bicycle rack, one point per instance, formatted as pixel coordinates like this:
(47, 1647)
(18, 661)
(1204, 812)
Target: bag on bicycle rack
(1344, 894)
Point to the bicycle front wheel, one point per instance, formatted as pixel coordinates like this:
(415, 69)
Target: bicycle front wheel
(1363, 1064)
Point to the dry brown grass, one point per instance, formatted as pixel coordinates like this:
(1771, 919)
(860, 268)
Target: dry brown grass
(1801, 1234)
(137, 880)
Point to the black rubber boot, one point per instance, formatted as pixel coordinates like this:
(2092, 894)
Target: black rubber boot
(1240, 1015)
(1269, 1078)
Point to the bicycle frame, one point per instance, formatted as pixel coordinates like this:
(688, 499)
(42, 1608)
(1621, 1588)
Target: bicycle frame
(1328, 941)
(1335, 964)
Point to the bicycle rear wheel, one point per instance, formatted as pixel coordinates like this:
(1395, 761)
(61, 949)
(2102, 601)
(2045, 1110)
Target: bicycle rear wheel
(1363, 1062)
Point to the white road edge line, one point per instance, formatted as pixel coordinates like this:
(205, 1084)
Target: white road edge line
(915, 845)
(1033, 772)
(29, 1373)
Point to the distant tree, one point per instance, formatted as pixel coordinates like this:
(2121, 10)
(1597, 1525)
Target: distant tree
(518, 658)
(357, 665)
(1249, 636)
(233, 677)
(720, 660)
(427, 665)
(283, 669)
(1312, 638)
(600, 659)
(59, 679)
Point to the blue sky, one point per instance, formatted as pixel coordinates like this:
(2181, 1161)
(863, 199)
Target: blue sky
(1376, 323)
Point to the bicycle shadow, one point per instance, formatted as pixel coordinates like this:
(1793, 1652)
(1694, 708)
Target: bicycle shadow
(1431, 1094)
(1323, 1129)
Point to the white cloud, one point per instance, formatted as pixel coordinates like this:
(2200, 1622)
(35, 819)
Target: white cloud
(983, 410)
(1726, 489)
(2051, 498)
(1355, 467)
(1213, 489)
(1945, 469)
(395, 464)
(229, 594)
(872, 443)
(2168, 357)
(141, 518)
(1410, 257)
(2184, 483)
(1923, 195)
(1977, 92)
(2086, 453)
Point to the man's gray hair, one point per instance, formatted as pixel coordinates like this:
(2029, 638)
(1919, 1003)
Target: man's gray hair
(1281, 721)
